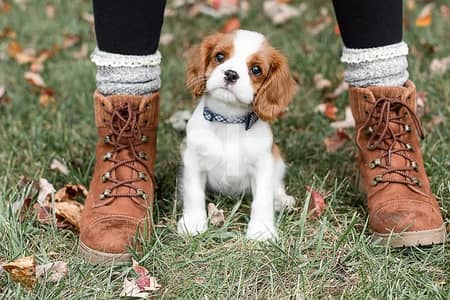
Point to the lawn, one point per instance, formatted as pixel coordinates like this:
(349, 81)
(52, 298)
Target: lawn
(330, 257)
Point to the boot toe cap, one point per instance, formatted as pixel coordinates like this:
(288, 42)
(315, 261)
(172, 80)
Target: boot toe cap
(110, 234)
(405, 216)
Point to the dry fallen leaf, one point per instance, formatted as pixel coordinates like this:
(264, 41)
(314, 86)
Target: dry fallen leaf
(5, 6)
(445, 10)
(421, 99)
(7, 32)
(179, 119)
(70, 192)
(321, 82)
(23, 271)
(328, 109)
(82, 52)
(341, 88)
(87, 17)
(59, 166)
(215, 215)
(3, 96)
(347, 123)
(35, 79)
(68, 214)
(435, 121)
(46, 97)
(231, 25)
(336, 141)
(141, 286)
(317, 203)
(280, 13)
(425, 16)
(45, 189)
(440, 66)
(70, 40)
(50, 11)
(53, 272)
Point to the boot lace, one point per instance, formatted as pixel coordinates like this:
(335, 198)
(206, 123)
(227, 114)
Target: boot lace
(383, 138)
(125, 135)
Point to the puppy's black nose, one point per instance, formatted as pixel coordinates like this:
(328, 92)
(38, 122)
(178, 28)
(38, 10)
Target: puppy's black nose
(231, 76)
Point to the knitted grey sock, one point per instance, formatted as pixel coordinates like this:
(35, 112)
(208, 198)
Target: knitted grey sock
(126, 74)
(383, 66)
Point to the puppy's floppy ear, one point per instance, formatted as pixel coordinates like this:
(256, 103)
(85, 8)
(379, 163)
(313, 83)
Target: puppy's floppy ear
(198, 63)
(277, 91)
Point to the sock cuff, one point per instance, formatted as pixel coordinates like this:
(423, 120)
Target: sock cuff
(102, 58)
(356, 56)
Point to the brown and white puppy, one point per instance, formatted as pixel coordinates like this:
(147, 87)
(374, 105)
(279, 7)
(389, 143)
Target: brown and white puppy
(243, 83)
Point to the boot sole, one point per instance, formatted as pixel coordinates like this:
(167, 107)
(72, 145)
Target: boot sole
(411, 238)
(97, 257)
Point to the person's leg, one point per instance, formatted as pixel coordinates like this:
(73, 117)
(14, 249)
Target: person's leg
(383, 103)
(126, 114)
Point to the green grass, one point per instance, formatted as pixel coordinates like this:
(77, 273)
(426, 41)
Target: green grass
(327, 258)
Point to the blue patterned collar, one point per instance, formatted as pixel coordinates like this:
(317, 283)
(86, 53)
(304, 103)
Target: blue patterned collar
(249, 119)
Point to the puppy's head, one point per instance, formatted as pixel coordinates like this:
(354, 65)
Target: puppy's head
(242, 68)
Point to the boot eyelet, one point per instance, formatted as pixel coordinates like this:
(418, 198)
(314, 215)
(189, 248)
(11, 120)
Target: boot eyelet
(107, 156)
(102, 104)
(142, 176)
(407, 128)
(376, 180)
(375, 163)
(368, 130)
(106, 193)
(144, 139)
(107, 139)
(409, 147)
(104, 120)
(143, 155)
(106, 176)
(370, 146)
(142, 194)
(145, 122)
(414, 165)
(147, 106)
(366, 97)
(416, 181)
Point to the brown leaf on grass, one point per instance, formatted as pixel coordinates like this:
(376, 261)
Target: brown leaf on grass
(336, 141)
(35, 79)
(445, 10)
(317, 26)
(280, 13)
(45, 190)
(321, 82)
(23, 271)
(341, 88)
(425, 16)
(215, 215)
(231, 25)
(337, 30)
(141, 286)
(5, 6)
(46, 97)
(59, 166)
(53, 272)
(87, 17)
(70, 192)
(328, 109)
(4, 96)
(411, 5)
(82, 52)
(435, 121)
(67, 214)
(348, 122)
(70, 40)
(166, 38)
(440, 66)
(50, 11)
(317, 203)
(421, 99)
(7, 32)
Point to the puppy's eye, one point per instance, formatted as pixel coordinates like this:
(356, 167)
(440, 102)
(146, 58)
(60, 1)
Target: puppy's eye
(256, 70)
(220, 57)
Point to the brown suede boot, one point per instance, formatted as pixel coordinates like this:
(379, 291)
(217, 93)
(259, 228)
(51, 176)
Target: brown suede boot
(121, 191)
(402, 209)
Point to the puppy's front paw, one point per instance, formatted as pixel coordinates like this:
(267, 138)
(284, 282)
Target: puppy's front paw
(192, 225)
(259, 231)
(284, 202)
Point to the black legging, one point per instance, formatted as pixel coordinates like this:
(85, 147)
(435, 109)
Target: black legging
(133, 27)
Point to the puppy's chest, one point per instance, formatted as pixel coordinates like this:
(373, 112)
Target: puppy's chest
(229, 161)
